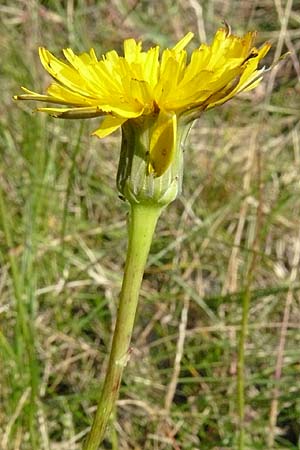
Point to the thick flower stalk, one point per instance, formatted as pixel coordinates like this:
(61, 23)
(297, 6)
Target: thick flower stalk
(154, 97)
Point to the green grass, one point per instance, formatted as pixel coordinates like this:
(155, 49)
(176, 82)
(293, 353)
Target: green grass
(63, 242)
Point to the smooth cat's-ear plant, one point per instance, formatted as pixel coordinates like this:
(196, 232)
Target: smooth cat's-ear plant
(154, 97)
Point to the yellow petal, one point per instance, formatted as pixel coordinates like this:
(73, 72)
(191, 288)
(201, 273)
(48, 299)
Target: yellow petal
(151, 66)
(264, 50)
(108, 126)
(132, 50)
(162, 143)
(64, 73)
(140, 91)
(122, 109)
(183, 42)
(62, 95)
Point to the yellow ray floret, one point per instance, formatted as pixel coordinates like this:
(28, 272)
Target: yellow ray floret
(162, 143)
(143, 83)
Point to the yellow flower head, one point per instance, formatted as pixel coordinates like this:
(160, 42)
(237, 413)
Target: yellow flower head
(140, 83)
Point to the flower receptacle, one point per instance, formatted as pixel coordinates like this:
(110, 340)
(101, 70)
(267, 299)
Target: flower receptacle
(137, 179)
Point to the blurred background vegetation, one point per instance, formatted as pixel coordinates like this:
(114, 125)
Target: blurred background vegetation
(234, 228)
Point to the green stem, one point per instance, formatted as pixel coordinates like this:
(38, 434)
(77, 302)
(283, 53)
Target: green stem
(241, 368)
(142, 224)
